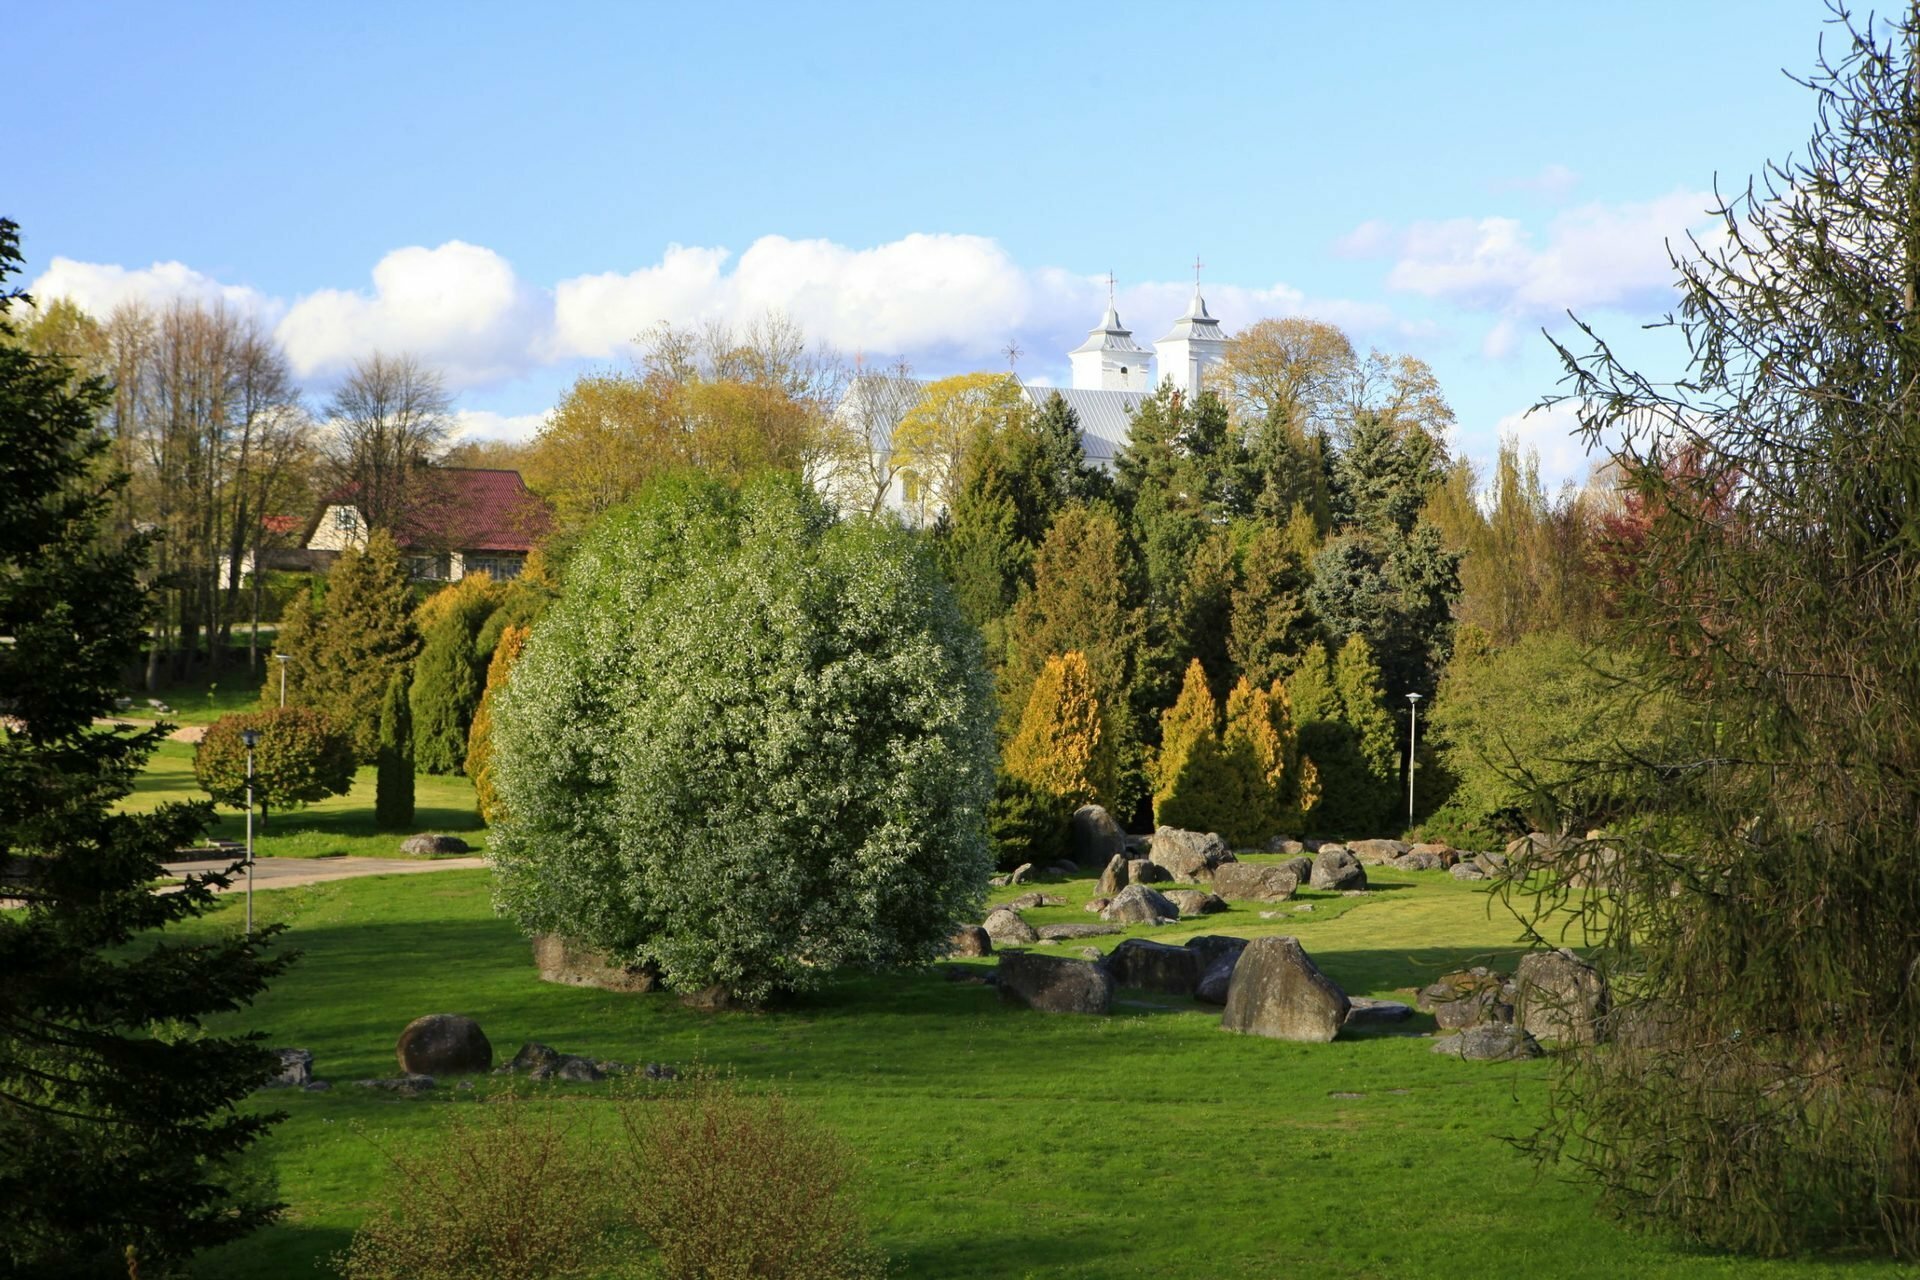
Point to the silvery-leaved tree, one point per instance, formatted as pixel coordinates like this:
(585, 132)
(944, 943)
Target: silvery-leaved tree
(1763, 1085)
(750, 745)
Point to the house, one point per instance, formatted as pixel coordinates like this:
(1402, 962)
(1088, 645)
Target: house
(1111, 376)
(460, 520)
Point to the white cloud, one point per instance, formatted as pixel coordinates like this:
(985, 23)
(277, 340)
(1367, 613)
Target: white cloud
(1553, 434)
(1593, 257)
(458, 307)
(99, 287)
(484, 424)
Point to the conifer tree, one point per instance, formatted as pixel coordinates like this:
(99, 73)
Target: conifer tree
(393, 772)
(1192, 785)
(1363, 708)
(1270, 625)
(479, 764)
(1262, 753)
(1330, 749)
(448, 676)
(116, 1141)
(355, 640)
(1063, 747)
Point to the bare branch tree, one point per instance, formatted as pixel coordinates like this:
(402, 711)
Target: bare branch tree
(387, 422)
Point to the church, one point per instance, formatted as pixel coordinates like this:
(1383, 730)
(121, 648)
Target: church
(1111, 374)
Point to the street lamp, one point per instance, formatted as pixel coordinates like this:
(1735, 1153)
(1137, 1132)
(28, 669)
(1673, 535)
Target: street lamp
(251, 737)
(282, 659)
(1413, 730)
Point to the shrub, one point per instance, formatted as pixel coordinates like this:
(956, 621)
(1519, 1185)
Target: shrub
(751, 744)
(1026, 825)
(393, 777)
(731, 1187)
(1192, 787)
(480, 736)
(449, 674)
(301, 756)
(500, 1192)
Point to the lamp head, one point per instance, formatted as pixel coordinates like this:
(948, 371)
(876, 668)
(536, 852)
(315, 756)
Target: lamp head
(251, 737)
(1413, 698)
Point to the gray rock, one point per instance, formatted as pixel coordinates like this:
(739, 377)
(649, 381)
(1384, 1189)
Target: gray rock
(1146, 871)
(999, 882)
(1419, 862)
(1196, 902)
(443, 1044)
(1155, 966)
(533, 1056)
(1189, 856)
(1495, 1042)
(1008, 929)
(1027, 901)
(1114, 878)
(429, 844)
(1466, 871)
(578, 1070)
(575, 965)
(1096, 904)
(1211, 946)
(410, 1085)
(1299, 867)
(970, 940)
(1020, 873)
(1537, 849)
(1137, 904)
(1439, 849)
(1559, 997)
(1064, 870)
(1054, 984)
(1278, 992)
(296, 1069)
(1364, 1014)
(1068, 932)
(708, 999)
(1468, 999)
(1374, 853)
(1251, 882)
(1095, 837)
(316, 1086)
(1218, 954)
(1491, 863)
(1281, 844)
(1336, 870)
(660, 1071)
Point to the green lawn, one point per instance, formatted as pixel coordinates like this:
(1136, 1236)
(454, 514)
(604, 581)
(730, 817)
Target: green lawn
(997, 1142)
(203, 701)
(341, 824)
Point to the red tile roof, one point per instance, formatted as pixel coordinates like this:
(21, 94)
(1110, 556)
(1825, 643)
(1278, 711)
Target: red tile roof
(463, 509)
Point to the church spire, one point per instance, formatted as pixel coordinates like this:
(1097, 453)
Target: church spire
(1110, 359)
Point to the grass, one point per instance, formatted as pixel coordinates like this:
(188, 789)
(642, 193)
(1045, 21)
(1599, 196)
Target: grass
(201, 702)
(997, 1142)
(337, 825)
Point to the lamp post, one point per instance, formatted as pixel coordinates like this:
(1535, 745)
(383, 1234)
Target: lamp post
(1413, 731)
(282, 659)
(250, 737)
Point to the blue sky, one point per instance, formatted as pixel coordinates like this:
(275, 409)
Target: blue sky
(514, 191)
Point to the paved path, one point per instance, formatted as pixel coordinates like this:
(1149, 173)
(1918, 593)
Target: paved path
(285, 873)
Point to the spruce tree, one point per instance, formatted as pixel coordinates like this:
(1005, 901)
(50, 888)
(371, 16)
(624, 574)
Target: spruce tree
(1363, 708)
(359, 636)
(117, 1139)
(1330, 750)
(1262, 753)
(393, 775)
(1270, 624)
(449, 674)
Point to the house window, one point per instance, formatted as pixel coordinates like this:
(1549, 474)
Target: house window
(498, 567)
(429, 568)
(346, 519)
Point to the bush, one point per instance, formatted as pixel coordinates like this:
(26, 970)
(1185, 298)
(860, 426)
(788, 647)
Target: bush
(751, 744)
(449, 675)
(731, 1187)
(301, 756)
(480, 737)
(498, 1193)
(393, 776)
(1026, 825)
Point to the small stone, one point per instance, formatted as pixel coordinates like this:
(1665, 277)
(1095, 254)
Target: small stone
(316, 1086)
(660, 1071)
(1495, 1042)
(1006, 927)
(426, 844)
(1344, 1095)
(1068, 932)
(410, 1085)
(296, 1069)
(1363, 1013)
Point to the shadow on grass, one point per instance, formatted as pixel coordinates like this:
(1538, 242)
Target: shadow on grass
(1006, 1254)
(282, 1249)
(1394, 969)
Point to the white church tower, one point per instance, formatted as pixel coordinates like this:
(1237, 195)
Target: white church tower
(1191, 347)
(1110, 360)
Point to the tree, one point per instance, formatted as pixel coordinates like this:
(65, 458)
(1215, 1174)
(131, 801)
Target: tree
(933, 437)
(393, 762)
(1270, 625)
(1292, 370)
(1061, 749)
(1761, 899)
(479, 764)
(387, 422)
(300, 756)
(1346, 739)
(119, 1127)
(1271, 792)
(1193, 785)
(753, 743)
(342, 653)
(449, 674)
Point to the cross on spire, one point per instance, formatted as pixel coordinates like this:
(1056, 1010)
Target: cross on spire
(1109, 288)
(1197, 264)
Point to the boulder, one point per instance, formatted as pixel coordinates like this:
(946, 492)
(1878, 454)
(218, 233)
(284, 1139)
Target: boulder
(1155, 966)
(1299, 867)
(1095, 837)
(1054, 984)
(1196, 902)
(1189, 856)
(1137, 904)
(1468, 998)
(1249, 882)
(1066, 932)
(970, 940)
(1466, 871)
(1491, 863)
(1438, 849)
(1282, 845)
(1212, 946)
(1494, 1042)
(1366, 1015)
(1027, 901)
(1096, 904)
(1418, 862)
(708, 999)
(1336, 870)
(1374, 853)
(560, 960)
(1006, 927)
(296, 1069)
(444, 1044)
(1020, 873)
(1218, 955)
(1146, 871)
(1536, 849)
(1114, 878)
(428, 844)
(539, 1062)
(1277, 991)
(1559, 997)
